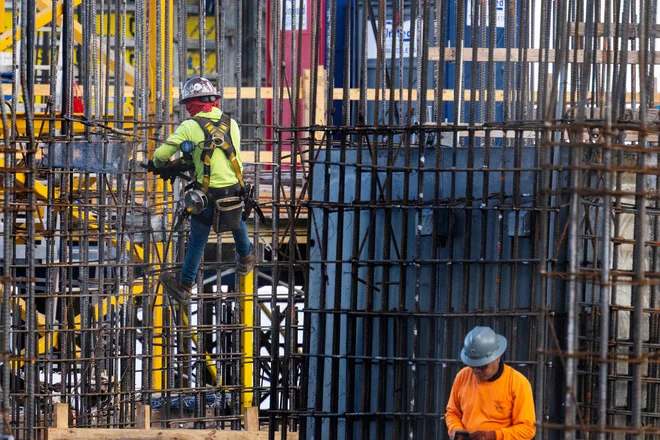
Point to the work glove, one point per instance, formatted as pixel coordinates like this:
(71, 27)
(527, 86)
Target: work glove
(483, 435)
(165, 173)
(150, 167)
(170, 171)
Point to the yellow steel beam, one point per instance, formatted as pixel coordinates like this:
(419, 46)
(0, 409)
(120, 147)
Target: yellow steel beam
(246, 287)
(42, 19)
(43, 4)
(209, 360)
(157, 25)
(42, 348)
(107, 303)
(136, 251)
(41, 319)
(2, 15)
(129, 71)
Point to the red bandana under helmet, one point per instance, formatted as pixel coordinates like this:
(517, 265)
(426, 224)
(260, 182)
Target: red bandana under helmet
(195, 106)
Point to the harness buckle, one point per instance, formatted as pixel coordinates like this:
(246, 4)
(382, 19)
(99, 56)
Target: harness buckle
(218, 139)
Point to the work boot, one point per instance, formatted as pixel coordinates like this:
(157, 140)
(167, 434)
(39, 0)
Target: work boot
(244, 265)
(176, 288)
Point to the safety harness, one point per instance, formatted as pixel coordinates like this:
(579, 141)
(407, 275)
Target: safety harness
(218, 135)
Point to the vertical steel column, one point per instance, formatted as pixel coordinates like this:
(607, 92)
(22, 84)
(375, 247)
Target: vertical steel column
(640, 283)
(7, 255)
(247, 300)
(606, 247)
(31, 377)
(258, 135)
(161, 42)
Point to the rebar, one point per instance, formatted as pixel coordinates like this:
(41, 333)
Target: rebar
(495, 163)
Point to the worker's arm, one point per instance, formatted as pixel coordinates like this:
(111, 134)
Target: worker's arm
(172, 144)
(454, 414)
(235, 133)
(523, 415)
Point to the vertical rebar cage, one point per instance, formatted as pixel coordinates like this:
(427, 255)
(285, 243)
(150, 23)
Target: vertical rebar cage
(90, 89)
(425, 166)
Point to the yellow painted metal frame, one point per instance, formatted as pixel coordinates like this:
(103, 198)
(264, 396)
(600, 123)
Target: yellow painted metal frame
(246, 287)
(49, 339)
(209, 360)
(42, 19)
(156, 26)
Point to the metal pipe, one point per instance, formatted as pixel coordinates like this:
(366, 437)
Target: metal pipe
(640, 287)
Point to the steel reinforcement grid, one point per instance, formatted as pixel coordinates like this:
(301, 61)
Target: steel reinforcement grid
(425, 166)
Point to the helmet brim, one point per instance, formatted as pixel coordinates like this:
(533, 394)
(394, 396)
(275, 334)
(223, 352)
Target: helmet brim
(199, 95)
(501, 348)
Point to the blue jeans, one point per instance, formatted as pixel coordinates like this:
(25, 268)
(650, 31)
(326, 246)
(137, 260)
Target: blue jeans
(199, 235)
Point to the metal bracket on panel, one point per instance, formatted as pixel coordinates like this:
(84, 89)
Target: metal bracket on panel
(442, 227)
(524, 223)
(87, 156)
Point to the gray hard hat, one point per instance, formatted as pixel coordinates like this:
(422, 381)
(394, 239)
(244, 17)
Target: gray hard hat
(198, 87)
(482, 346)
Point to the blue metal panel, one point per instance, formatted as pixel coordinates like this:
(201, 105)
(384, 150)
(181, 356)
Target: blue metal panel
(325, 273)
(97, 156)
(340, 53)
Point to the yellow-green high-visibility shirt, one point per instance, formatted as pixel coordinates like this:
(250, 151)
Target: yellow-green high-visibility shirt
(222, 173)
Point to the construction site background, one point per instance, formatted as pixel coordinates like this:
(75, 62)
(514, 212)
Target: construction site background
(425, 166)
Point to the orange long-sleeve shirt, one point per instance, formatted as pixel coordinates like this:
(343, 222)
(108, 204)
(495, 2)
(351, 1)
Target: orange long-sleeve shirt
(505, 405)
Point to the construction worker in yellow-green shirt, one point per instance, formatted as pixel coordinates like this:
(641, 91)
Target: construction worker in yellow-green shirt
(212, 142)
(489, 400)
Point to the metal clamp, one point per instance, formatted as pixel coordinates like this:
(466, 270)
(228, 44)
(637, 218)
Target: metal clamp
(218, 140)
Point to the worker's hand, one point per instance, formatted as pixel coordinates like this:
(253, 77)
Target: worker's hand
(459, 434)
(164, 173)
(483, 435)
(151, 167)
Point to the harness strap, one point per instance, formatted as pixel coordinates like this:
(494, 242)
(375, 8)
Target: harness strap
(218, 135)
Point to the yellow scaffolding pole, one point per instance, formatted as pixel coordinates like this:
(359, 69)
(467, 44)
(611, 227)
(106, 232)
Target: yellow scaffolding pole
(43, 18)
(209, 360)
(246, 287)
(157, 25)
(2, 15)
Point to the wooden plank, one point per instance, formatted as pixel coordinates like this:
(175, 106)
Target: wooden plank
(143, 417)
(354, 95)
(578, 29)
(321, 116)
(61, 416)
(252, 418)
(160, 434)
(44, 90)
(532, 55)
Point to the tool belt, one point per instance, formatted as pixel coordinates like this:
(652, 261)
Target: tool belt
(228, 207)
(227, 214)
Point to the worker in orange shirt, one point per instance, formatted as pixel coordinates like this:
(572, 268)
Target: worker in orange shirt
(489, 400)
